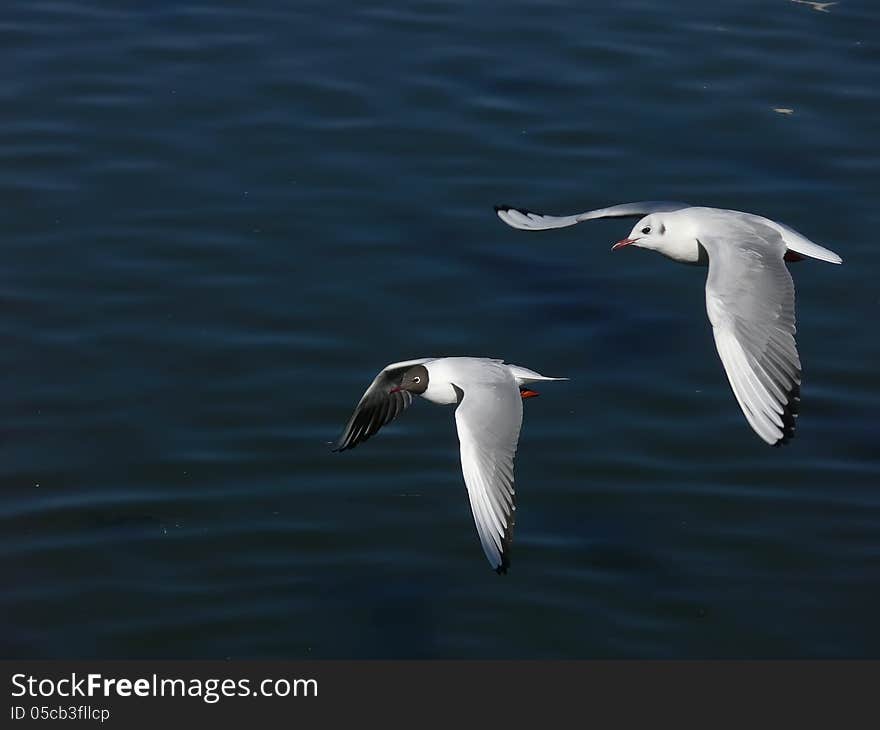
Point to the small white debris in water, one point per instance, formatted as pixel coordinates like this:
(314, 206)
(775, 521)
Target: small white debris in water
(783, 110)
(821, 7)
(36, 484)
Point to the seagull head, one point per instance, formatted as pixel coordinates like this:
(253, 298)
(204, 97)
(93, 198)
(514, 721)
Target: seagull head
(666, 233)
(415, 380)
(650, 232)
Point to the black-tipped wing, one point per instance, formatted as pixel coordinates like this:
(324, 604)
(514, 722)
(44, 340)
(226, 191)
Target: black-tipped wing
(377, 406)
(750, 302)
(488, 418)
(528, 220)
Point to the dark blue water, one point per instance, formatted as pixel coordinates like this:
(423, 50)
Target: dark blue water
(220, 220)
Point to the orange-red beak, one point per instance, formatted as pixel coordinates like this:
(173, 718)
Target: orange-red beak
(529, 393)
(624, 242)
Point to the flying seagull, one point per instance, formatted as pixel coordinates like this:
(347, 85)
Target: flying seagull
(749, 292)
(488, 395)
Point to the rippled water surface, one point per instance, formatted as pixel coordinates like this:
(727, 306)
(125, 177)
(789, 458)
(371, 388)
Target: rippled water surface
(220, 219)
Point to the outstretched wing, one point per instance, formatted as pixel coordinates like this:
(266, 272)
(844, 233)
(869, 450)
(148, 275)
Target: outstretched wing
(750, 302)
(488, 418)
(377, 406)
(528, 220)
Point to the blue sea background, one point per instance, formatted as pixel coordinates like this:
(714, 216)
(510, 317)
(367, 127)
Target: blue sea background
(219, 220)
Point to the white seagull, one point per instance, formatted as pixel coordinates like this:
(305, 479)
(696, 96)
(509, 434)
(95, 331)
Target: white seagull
(749, 292)
(488, 395)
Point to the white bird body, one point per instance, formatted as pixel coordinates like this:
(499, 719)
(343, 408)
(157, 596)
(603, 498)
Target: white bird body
(693, 224)
(749, 293)
(488, 418)
(448, 372)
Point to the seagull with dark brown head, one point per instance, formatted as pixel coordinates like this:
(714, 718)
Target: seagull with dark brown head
(488, 396)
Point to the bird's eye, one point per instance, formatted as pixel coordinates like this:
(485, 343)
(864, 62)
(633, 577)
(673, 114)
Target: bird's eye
(417, 379)
(646, 230)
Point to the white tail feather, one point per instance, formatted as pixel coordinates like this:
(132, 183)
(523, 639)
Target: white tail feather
(799, 243)
(524, 375)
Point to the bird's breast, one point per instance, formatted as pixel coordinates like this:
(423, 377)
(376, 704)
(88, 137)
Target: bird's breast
(689, 251)
(440, 392)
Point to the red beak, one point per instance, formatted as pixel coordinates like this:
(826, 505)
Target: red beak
(395, 389)
(526, 393)
(624, 242)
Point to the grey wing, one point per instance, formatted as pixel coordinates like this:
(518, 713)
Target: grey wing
(528, 220)
(751, 305)
(488, 419)
(377, 406)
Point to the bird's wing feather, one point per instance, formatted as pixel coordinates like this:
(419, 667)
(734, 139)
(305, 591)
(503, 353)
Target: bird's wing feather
(488, 419)
(751, 305)
(528, 220)
(377, 406)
